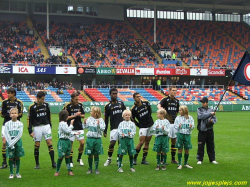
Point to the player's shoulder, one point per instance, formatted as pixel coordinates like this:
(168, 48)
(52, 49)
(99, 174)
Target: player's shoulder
(80, 103)
(5, 100)
(145, 102)
(18, 100)
(120, 102)
(107, 104)
(45, 103)
(133, 107)
(165, 98)
(32, 105)
(177, 100)
(66, 104)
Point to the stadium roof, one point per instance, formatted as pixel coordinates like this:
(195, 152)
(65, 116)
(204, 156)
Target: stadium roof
(216, 6)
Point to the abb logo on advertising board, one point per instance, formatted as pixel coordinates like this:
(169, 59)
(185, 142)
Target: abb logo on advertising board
(216, 72)
(182, 71)
(162, 71)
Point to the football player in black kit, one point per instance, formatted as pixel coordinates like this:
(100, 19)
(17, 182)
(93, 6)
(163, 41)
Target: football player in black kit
(76, 112)
(39, 117)
(171, 105)
(7, 104)
(141, 110)
(113, 110)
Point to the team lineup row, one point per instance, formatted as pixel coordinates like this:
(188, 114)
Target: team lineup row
(122, 129)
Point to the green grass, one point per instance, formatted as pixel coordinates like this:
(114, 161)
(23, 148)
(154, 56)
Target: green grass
(232, 152)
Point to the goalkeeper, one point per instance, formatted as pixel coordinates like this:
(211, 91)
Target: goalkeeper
(206, 120)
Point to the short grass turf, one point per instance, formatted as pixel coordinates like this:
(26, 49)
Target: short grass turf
(232, 152)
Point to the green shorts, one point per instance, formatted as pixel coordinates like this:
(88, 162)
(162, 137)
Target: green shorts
(63, 147)
(161, 144)
(17, 152)
(183, 140)
(94, 146)
(126, 145)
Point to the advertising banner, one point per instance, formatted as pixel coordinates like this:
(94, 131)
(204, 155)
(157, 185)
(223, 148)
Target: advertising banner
(23, 70)
(216, 72)
(164, 71)
(199, 72)
(144, 71)
(6, 69)
(106, 71)
(66, 70)
(45, 70)
(125, 71)
(84, 70)
(181, 71)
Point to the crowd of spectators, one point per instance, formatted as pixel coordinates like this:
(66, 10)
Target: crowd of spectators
(31, 86)
(15, 39)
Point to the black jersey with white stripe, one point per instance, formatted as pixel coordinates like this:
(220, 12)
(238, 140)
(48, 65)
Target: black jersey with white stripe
(142, 113)
(171, 105)
(7, 105)
(114, 111)
(39, 114)
(72, 109)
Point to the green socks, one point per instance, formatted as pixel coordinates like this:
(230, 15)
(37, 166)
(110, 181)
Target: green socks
(90, 160)
(11, 166)
(17, 166)
(131, 161)
(158, 158)
(186, 159)
(179, 158)
(164, 159)
(96, 162)
(120, 162)
(67, 160)
(58, 166)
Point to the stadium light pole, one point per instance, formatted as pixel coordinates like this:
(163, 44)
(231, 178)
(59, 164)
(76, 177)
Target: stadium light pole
(48, 19)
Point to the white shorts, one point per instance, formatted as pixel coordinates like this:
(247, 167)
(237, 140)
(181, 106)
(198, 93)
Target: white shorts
(3, 127)
(145, 131)
(78, 137)
(172, 132)
(114, 135)
(42, 131)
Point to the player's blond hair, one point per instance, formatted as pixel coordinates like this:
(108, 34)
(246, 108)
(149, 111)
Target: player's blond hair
(162, 111)
(96, 112)
(126, 111)
(184, 108)
(12, 109)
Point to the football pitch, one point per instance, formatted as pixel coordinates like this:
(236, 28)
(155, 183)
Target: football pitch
(231, 146)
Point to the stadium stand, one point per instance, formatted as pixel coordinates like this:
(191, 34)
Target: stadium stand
(243, 91)
(198, 43)
(239, 31)
(196, 94)
(18, 44)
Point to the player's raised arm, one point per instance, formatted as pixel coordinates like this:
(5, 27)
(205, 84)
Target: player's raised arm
(201, 114)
